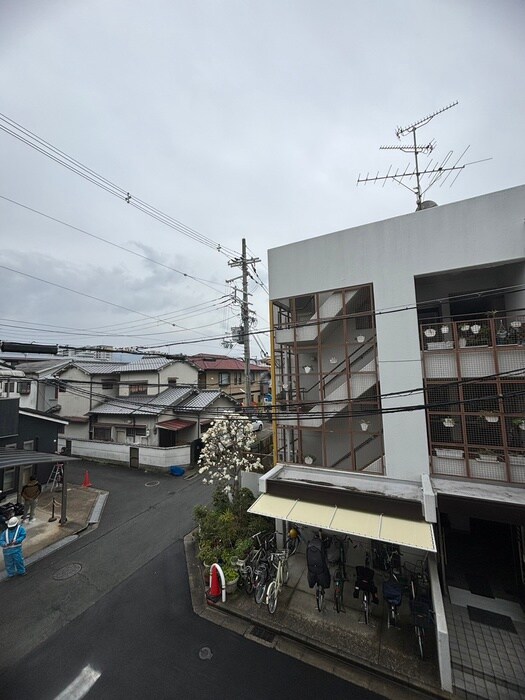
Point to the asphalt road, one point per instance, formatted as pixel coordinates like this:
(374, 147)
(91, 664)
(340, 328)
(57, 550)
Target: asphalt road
(123, 625)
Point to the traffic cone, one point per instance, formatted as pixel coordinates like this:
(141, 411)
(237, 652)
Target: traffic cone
(86, 481)
(214, 592)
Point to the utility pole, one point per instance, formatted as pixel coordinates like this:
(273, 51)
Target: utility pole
(243, 263)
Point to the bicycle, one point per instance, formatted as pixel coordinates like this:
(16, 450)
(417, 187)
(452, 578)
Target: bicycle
(420, 602)
(365, 584)
(262, 570)
(293, 540)
(319, 596)
(247, 566)
(340, 574)
(279, 561)
(317, 565)
(393, 594)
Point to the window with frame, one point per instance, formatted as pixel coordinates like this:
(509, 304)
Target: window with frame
(138, 388)
(101, 432)
(9, 479)
(224, 378)
(137, 431)
(24, 388)
(108, 384)
(172, 381)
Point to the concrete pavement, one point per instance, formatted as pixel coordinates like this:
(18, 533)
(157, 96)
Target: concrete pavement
(382, 660)
(361, 654)
(84, 507)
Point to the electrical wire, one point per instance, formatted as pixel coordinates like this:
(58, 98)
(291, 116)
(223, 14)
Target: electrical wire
(206, 283)
(31, 139)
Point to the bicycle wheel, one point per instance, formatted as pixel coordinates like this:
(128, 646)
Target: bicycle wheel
(260, 588)
(286, 572)
(271, 597)
(319, 597)
(338, 598)
(291, 545)
(420, 633)
(248, 580)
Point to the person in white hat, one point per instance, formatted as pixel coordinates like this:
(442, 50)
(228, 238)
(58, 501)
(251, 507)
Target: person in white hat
(11, 542)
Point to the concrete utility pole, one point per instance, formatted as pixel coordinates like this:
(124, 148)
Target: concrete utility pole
(243, 263)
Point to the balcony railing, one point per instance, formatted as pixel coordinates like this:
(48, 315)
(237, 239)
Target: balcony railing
(476, 333)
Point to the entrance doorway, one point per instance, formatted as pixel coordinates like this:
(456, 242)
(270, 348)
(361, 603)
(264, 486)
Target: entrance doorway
(483, 559)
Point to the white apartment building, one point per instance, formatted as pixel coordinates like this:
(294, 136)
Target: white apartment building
(399, 377)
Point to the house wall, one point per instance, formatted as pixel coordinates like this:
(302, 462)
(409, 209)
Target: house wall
(158, 380)
(391, 254)
(77, 399)
(149, 457)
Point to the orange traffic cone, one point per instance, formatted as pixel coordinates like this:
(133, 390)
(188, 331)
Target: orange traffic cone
(214, 592)
(86, 481)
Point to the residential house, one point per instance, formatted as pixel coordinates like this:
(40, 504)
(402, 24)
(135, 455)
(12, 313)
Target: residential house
(399, 372)
(228, 375)
(39, 391)
(176, 416)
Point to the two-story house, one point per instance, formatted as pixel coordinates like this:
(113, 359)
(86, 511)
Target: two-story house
(228, 375)
(399, 385)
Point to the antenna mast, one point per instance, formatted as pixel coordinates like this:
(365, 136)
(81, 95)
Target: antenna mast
(433, 171)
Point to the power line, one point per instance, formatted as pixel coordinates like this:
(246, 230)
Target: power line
(206, 283)
(45, 148)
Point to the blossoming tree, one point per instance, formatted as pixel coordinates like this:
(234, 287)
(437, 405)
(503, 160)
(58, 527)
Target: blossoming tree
(226, 453)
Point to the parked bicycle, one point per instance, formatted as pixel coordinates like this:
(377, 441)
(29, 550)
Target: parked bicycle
(420, 602)
(293, 540)
(317, 565)
(393, 595)
(261, 572)
(278, 560)
(338, 545)
(246, 568)
(365, 584)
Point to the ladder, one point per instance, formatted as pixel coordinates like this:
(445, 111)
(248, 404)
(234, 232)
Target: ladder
(57, 475)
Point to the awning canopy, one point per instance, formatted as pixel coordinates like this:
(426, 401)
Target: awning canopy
(175, 424)
(416, 534)
(19, 458)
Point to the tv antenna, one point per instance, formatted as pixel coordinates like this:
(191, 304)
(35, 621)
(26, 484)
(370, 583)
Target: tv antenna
(428, 176)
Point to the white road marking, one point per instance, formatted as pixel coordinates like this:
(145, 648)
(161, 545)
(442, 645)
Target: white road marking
(82, 684)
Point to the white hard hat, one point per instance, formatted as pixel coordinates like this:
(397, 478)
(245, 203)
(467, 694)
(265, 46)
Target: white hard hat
(12, 522)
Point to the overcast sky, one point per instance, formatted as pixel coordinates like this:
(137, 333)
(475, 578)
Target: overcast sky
(238, 119)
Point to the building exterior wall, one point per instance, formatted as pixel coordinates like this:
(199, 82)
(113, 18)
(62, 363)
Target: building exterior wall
(390, 255)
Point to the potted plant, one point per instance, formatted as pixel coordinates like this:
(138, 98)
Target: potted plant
(231, 574)
(490, 416)
(487, 456)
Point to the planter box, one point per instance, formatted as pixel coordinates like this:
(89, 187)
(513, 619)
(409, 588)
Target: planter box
(450, 454)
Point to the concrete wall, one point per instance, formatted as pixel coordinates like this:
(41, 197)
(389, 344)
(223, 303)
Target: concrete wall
(391, 254)
(149, 457)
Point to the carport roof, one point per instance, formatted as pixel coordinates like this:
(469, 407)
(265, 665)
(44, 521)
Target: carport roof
(19, 458)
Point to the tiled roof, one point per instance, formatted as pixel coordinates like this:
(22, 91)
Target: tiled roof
(224, 363)
(143, 405)
(147, 363)
(43, 365)
(101, 367)
(200, 401)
